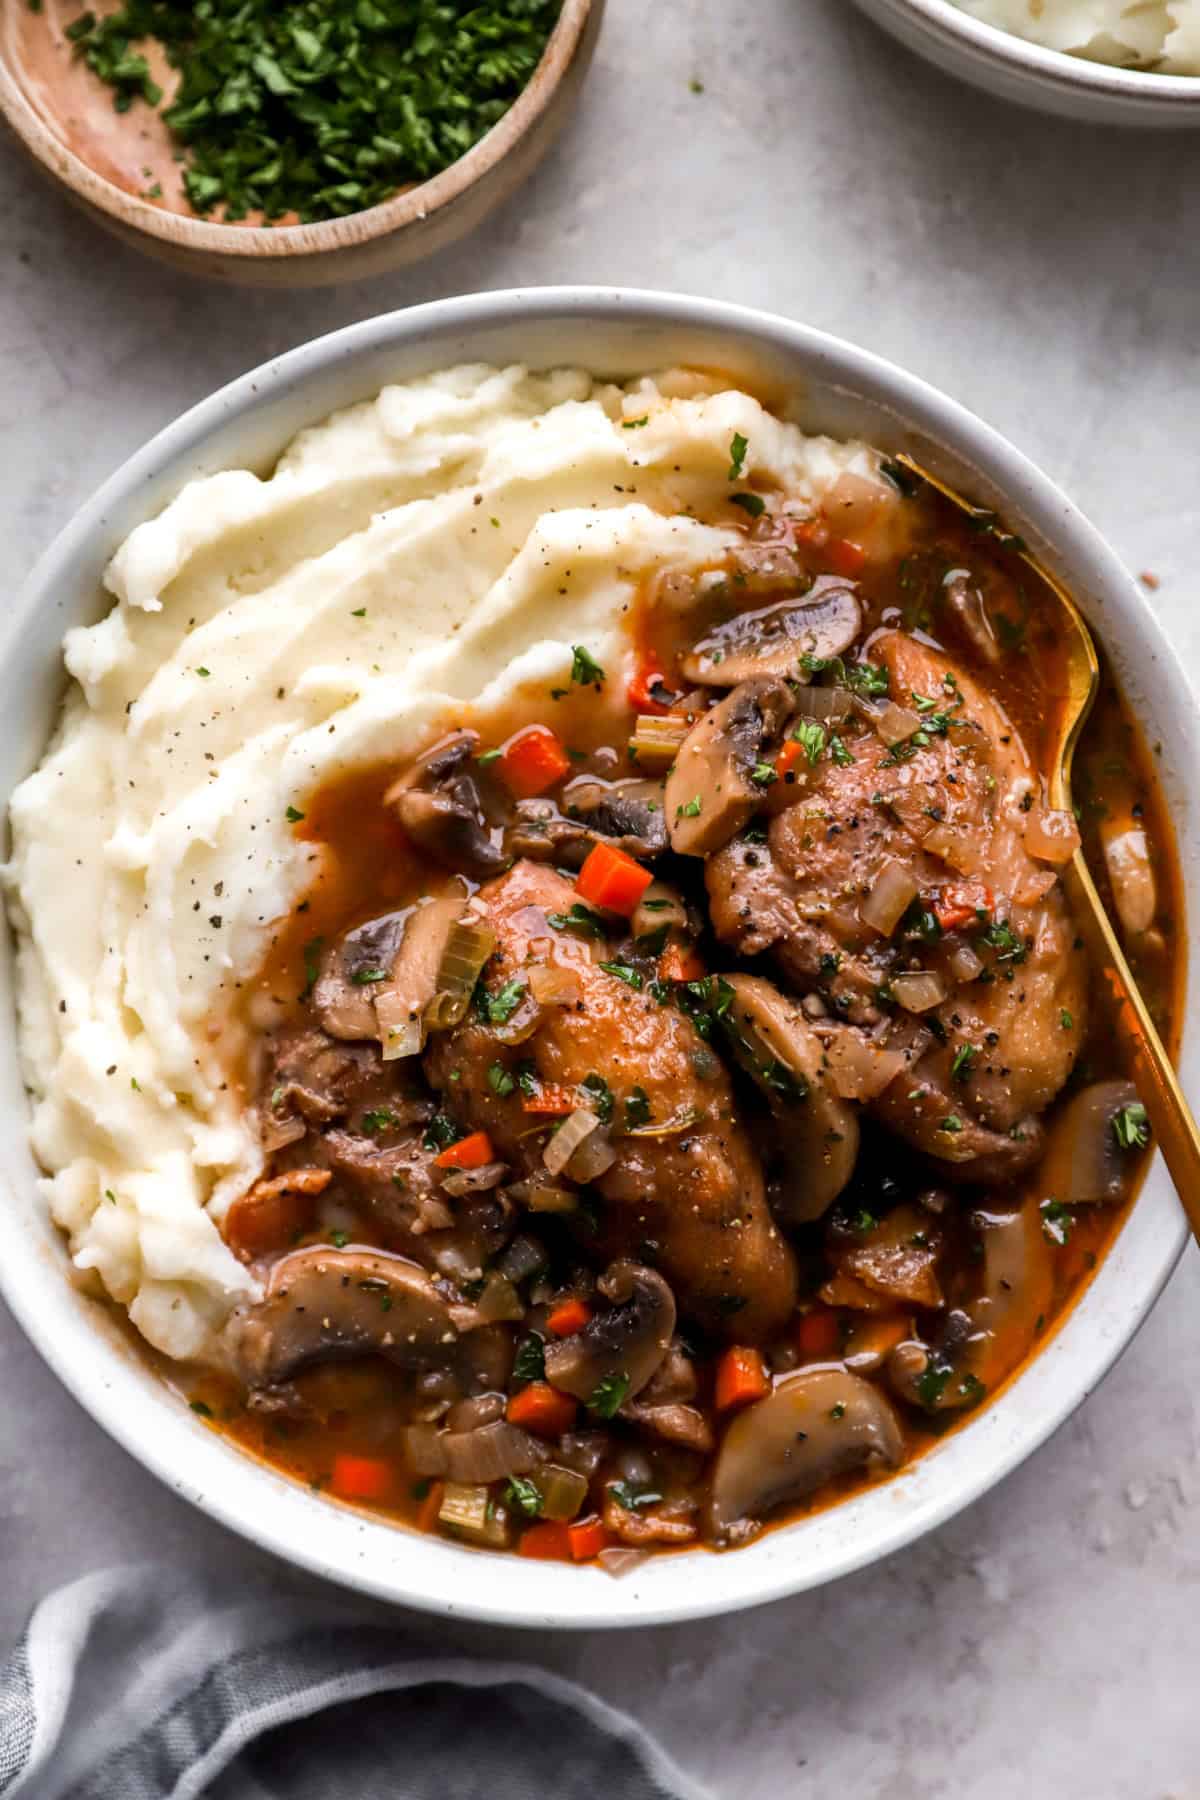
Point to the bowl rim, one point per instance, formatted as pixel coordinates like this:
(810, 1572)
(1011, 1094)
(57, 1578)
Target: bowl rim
(388, 1562)
(947, 19)
(416, 205)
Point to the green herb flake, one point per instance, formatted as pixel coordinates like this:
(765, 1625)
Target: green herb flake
(293, 815)
(738, 446)
(763, 774)
(200, 1406)
(637, 1109)
(529, 1363)
(580, 919)
(1131, 1127)
(500, 1081)
(1057, 1221)
(838, 751)
(635, 424)
(630, 1497)
(584, 668)
(599, 1095)
(754, 504)
(951, 1123)
(523, 1496)
(312, 965)
(623, 972)
(964, 1058)
(368, 977)
(498, 1008)
(339, 1239)
(607, 1399)
(691, 809)
(811, 738)
(487, 757)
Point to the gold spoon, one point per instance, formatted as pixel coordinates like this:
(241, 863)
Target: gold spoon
(1143, 1050)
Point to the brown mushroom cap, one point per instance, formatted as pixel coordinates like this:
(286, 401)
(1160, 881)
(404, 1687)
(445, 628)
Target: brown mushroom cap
(812, 1427)
(625, 1341)
(821, 623)
(710, 793)
(325, 1305)
(437, 802)
(778, 1049)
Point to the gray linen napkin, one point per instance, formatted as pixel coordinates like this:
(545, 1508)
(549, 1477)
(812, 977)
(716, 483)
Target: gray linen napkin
(141, 1683)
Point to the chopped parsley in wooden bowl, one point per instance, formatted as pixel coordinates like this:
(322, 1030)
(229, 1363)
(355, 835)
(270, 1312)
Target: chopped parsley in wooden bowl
(307, 143)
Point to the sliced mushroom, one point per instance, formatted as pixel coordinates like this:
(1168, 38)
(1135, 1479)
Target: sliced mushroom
(986, 1339)
(438, 804)
(628, 814)
(816, 1425)
(966, 604)
(412, 980)
(818, 1144)
(352, 970)
(824, 622)
(710, 791)
(325, 1305)
(1084, 1161)
(623, 1343)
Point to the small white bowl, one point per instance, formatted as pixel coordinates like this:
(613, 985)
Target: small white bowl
(830, 387)
(1014, 69)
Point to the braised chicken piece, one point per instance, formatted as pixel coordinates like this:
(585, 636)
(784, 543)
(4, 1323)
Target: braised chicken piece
(940, 820)
(694, 1194)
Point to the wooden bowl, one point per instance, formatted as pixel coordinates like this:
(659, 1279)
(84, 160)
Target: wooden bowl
(108, 162)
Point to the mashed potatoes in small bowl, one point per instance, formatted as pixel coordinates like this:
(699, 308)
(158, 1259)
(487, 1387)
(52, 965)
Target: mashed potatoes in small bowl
(1103, 61)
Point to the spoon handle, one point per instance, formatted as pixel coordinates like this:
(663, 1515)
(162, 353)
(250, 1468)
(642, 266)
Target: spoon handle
(1150, 1067)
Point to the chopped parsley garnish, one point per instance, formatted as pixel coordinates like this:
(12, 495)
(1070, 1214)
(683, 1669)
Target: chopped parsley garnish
(1066, 1020)
(584, 667)
(320, 107)
(367, 977)
(600, 1095)
(1001, 938)
(580, 919)
(738, 446)
(607, 1399)
(630, 1497)
(522, 1495)
(201, 1407)
(440, 1133)
(500, 1081)
(378, 1119)
(653, 942)
(293, 815)
(951, 1123)
(312, 964)
(754, 504)
(863, 1222)
(637, 1109)
(1057, 1221)
(529, 1364)
(339, 1239)
(1131, 1127)
(691, 809)
(205, 672)
(763, 774)
(488, 756)
(811, 738)
(864, 678)
(839, 752)
(498, 1008)
(635, 424)
(623, 972)
(964, 1058)
(705, 1001)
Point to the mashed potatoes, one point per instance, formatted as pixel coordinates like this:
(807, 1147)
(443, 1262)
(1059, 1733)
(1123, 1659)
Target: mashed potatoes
(447, 541)
(1145, 34)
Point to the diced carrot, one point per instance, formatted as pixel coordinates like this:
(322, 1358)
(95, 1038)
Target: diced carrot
(680, 962)
(845, 558)
(541, 1408)
(568, 1317)
(788, 757)
(954, 907)
(360, 1477)
(819, 1332)
(641, 690)
(612, 880)
(550, 1098)
(274, 1213)
(587, 1538)
(548, 1542)
(469, 1153)
(431, 1506)
(532, 761)
(741, 1377)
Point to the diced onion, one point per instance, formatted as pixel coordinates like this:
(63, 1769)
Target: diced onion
(1135, 891)
(470, 944)
(567, 1139)
(918, 990)
(563, 1491)
(1052, 835)
(956, 845)
(490, 1452)
(859, 1069)
(401, 1027)
(1034, 887)
(894, 890)
(964, 964)
(457, 1182)
(425, 1449)
(499, 1300)
(595, 1155)
(551, 985)
(913, 806)
(656, 739)
(276, 1133)
(540, 1195)
(893, 723)
(827, 705)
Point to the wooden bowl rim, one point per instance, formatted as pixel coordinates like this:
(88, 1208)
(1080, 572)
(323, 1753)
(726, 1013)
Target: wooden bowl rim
(414, 206)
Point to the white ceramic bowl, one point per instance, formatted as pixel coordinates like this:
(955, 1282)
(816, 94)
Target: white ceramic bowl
(1051, 81)
(829, 386)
